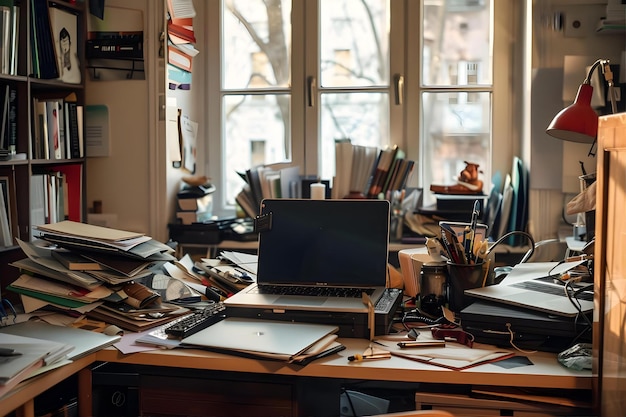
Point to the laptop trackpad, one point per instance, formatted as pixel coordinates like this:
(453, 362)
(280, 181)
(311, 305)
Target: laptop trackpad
(309, 301)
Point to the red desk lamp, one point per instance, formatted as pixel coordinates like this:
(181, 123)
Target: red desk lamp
(579, 122)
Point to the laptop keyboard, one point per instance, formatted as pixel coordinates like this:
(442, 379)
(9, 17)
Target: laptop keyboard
(313, 291)
(533, 285)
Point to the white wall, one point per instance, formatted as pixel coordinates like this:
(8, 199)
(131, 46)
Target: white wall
(122, 179)
(554, 167)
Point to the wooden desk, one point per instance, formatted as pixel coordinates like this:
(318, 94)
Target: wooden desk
(545, 373)
(22, 397)
(329, 373)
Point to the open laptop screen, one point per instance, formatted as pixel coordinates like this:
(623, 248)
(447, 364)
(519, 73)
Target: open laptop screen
(328, 242)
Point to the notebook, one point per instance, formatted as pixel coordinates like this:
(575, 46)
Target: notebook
(530, 285)
(319, 245)
(276, 339)
(85, 342)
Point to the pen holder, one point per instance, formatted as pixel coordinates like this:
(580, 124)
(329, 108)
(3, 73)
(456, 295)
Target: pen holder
(463, 277)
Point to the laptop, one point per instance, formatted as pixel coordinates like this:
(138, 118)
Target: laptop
(531, 285)
(505, 325)
(281, 340)
(329, 251)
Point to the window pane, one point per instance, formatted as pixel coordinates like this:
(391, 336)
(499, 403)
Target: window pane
(256, 44)
(456, 43)
(255, 133)
(455, 128)
(361, 117)
(354, 42)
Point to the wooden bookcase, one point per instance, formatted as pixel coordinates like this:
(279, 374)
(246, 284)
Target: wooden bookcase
(25, 83)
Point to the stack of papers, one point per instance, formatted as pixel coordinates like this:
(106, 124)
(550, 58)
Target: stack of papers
(232, 273)
(96, 271)
(21, 357)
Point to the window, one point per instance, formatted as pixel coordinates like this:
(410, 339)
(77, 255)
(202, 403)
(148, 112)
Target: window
(296, 76)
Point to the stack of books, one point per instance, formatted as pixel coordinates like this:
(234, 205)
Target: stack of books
(85, 269)
(366, 172)
(267, 181)
(195, 203)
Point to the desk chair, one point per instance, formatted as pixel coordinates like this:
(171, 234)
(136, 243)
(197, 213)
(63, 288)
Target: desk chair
(417, 413)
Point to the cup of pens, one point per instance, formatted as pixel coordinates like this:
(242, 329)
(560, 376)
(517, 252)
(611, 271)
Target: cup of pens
(461, 277)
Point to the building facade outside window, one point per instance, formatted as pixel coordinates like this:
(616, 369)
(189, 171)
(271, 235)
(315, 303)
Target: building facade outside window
(297, 76)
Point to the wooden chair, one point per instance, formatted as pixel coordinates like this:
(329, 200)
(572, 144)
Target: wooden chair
(418, 413)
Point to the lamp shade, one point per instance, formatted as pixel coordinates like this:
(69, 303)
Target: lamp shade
(578, 122)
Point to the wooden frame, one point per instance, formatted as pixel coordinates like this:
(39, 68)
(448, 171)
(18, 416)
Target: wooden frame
(609, 347)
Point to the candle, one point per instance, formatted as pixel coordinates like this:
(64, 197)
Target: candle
(318, 191)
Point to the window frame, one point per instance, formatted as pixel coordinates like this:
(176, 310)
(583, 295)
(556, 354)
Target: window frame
(506, 136)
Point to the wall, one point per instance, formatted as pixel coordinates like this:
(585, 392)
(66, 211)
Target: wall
(554, 167)
(120, 181)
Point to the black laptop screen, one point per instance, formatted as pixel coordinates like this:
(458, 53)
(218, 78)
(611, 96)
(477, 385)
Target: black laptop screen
(331, 242)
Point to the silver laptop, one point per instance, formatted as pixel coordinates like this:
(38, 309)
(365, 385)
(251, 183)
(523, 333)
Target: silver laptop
(261, 336)
(531, 285)
(318, 255)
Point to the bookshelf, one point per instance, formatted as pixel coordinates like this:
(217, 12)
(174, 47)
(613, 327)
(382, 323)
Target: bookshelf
(42, 95)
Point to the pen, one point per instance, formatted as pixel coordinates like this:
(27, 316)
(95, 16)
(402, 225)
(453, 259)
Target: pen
(475, 211)
(8, 352)
(416, 344)
(359, 357)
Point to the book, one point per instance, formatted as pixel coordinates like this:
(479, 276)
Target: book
(64, 29)
(7, 185)
(379, 175)
(40, 130)
(75, 261)
(8, 117)
(54, 121)
(452, 356)
(72, 136)
(43, 43)
(6, 237)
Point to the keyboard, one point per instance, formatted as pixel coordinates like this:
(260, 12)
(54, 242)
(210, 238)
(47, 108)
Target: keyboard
(196, 321)
(387, 301)
(536, 285)
(319, 291)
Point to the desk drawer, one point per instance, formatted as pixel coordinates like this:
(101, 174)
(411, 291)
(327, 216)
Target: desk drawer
(177, 396)
(466, 406)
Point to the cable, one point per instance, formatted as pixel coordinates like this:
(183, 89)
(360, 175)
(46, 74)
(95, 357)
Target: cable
(512, 336)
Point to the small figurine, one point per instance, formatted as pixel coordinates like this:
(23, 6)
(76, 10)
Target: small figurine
(467, 182)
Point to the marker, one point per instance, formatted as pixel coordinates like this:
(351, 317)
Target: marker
(416, 344)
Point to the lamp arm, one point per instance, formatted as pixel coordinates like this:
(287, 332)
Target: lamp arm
(608, 77)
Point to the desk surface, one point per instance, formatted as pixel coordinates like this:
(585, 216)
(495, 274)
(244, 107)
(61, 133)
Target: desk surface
(545, 373)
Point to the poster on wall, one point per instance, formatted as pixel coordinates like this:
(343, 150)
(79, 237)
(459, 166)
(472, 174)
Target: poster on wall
(189, 132)
(97, 130)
